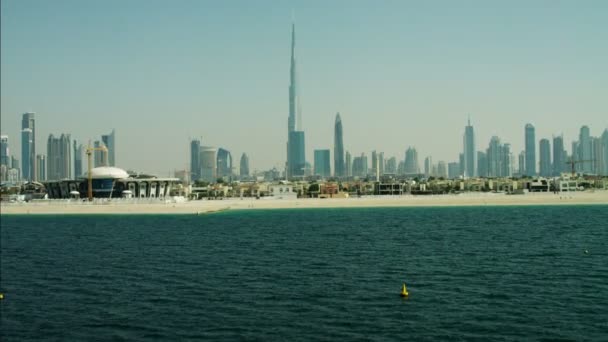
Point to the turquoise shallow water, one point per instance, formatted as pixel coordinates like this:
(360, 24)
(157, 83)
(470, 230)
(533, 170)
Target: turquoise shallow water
(475, 273)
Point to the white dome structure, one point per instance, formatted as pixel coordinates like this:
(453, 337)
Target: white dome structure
(107, 172)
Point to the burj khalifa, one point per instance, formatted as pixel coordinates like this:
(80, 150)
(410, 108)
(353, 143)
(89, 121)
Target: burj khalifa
(296, 156)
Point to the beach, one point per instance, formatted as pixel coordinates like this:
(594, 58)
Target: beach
(119, 206)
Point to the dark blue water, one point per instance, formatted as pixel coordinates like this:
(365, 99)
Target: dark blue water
(500, 273)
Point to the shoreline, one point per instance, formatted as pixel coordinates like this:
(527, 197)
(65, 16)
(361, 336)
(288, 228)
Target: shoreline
(52, 207)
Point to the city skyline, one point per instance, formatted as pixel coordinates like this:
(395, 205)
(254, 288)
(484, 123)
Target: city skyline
(384, 71)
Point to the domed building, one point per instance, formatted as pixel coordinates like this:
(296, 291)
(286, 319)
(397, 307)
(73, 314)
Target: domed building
(112, 182)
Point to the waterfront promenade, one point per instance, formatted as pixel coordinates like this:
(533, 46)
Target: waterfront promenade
(119, 206)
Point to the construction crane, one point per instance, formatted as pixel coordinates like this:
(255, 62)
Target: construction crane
(89, 152)
(573, 163)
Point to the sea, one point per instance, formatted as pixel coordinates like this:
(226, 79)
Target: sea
(530, 273)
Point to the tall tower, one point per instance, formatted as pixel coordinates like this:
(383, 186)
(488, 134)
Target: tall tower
(530, 167)
(559, 155)
(28, 146)
(338, 148)
(244, 167)
(470, 154)
(545, 158)
(109, 140)
(296, 155)
(293, 93)
(585, 152)
(195, 161)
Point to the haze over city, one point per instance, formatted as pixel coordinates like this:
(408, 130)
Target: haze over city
(400, 74)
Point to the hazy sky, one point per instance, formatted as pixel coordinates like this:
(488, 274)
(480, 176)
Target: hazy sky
(401, 73)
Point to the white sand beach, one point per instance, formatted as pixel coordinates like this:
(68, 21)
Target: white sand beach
(118, 206)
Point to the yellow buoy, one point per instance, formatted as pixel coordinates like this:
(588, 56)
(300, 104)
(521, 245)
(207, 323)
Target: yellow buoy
(404, 292)
(1, 295)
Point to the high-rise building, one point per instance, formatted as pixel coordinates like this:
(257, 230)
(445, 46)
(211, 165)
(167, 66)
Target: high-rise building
(41, 167)
(377, 164)
(453, 170)
(461, 163)
(59, 157)
(482, 164)
(360, 166)
(428, 166)
(470, 154)
(545, 158)
(348, 164)
(297, 164)
(391, 166)
(598, 155)
(521, 163)
(244, 166)
(224, 163)
(109, 140)
(296, 152)
(559, 155)
(605, 152)
(499, 158)
(100, 157)
(78, 155)
(530, 163)
(338, 148)
(411, 162)
(322, 166)
(208, 158)
(507, 170)
(28, 146)
(195, 161)
(575, 157)
(585, 150)
(442, 170)
(5, 158)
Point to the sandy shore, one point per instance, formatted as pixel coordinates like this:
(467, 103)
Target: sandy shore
(211, 206)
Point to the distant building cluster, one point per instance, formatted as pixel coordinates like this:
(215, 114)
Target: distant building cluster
(63, 158)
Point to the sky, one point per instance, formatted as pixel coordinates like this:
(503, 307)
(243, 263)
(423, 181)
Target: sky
(401, 73)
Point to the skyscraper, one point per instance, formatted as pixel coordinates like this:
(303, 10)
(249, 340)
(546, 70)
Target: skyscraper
(530, 167)
(498, 158)
(453, 170)
(391, 166)
(28, 146)
(348, 165)
(411, 161)
(598, 155)
(41, 167)
(377, 164)
(297, 164)
(224, 163)
(428, 166)
(195, 161)
(559, 155)
(322, 166)
(545, 158)
(360, 167)
(244, 166)
(208, 158)
(109, 140)
(482, 164)
(338, 148)
(296, 153)
(100, 157)
(5, 158)
(585, 150)
(442, 169)
(78, 154)
(605, 152)
(470, 154)
(59, 157)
